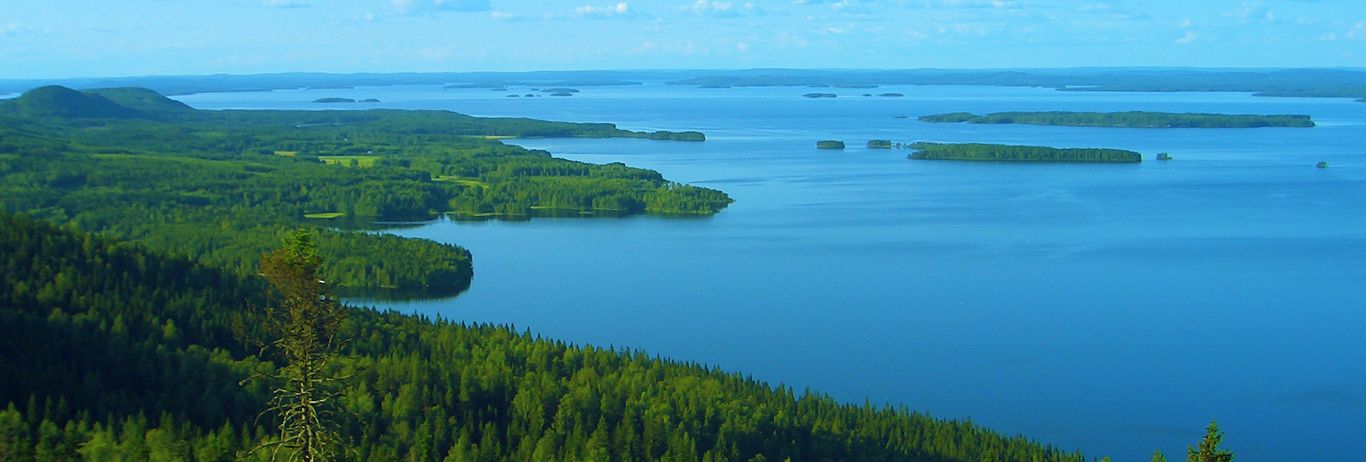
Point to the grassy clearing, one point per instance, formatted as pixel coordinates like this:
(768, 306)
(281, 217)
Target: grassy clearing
(324, 215)
(286, 153)
(350, 161)
(462, 181)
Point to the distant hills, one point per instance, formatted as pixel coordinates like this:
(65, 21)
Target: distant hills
(1315, 82)
(107, 103)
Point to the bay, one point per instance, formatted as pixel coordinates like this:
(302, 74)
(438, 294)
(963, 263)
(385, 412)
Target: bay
(1114, 309)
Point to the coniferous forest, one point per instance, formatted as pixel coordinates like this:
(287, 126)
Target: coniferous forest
(117, 352)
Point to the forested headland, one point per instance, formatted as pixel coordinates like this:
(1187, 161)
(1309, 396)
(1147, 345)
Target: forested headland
(221, 186)
(1131, 119)
(1011, 153)
(117, 352)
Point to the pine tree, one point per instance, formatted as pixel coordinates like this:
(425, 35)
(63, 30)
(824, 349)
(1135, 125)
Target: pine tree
(1209, 447)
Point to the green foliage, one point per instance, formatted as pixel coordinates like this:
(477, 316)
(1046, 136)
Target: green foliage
(1208, 449)
(1132, 119)
(90, 373)
(1010, 153)
(829, 144)
(879, 144)
(209, 184)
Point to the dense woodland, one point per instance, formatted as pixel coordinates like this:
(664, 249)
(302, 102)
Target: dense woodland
(117, 352)
(222, 186)
(1011, 153)
(1131, 119)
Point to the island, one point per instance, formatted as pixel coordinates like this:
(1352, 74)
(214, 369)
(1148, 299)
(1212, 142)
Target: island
(1163, 156)
(829, 144)
(1130, 119)
(1013, 153)
(334, 100)
(891, 95)
(820, 95)
(677, 136)
(559, 90)
(879, 144)
(1321, 164)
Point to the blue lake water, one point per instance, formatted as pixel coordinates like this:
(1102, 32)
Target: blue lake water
(1114, 309)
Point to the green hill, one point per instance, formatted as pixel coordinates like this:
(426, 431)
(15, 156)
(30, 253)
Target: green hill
(145, 101)
(57, 101)
(115, 352)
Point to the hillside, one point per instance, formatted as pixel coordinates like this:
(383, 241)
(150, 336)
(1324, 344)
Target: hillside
(115, 351)
(56, 101)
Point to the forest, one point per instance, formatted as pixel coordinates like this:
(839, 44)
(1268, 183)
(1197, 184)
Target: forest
(222, 186)
(115, 351)
(1010, 153)
(1130, 119)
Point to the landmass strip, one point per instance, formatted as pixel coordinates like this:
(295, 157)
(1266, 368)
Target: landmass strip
(1131, 119)
(1012, 153)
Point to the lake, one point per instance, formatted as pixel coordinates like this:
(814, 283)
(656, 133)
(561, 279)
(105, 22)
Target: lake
(1114, 309)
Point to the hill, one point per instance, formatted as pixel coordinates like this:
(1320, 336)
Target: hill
(116, 352)
(57, 101)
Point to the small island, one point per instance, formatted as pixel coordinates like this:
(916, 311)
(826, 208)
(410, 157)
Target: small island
(879, 144)
(1131, 119)
(829, 144)
(345, 100)
(559, 90)
(891, 95)
(1321, 164)
(677, 136)
(820, 95)
(1012, 153)
(1163, 156)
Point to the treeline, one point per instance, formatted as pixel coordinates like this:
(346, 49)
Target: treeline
(222, 186)
(1131, 119)
(114, 352)
(1012, 153)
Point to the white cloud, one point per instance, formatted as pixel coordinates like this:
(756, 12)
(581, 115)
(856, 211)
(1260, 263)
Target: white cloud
(720, 9)
(1190, 37)
(617, 10)
(284, 3)
(1252, 12)
(431, 6)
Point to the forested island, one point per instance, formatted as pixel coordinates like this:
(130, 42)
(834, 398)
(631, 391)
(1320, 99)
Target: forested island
(1012, 153)
(221, 186)
(829, 144)
(345, 100)
(1131, 119)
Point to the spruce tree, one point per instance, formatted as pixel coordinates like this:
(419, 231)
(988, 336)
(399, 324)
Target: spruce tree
(303, 323)
(1208, 450)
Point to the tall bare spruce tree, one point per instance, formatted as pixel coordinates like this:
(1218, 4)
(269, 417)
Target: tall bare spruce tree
(303, 324)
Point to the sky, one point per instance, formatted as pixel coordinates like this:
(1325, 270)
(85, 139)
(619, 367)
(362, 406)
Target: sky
(89, 38)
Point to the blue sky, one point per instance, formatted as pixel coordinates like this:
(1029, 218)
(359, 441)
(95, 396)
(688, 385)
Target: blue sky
(69, 38)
